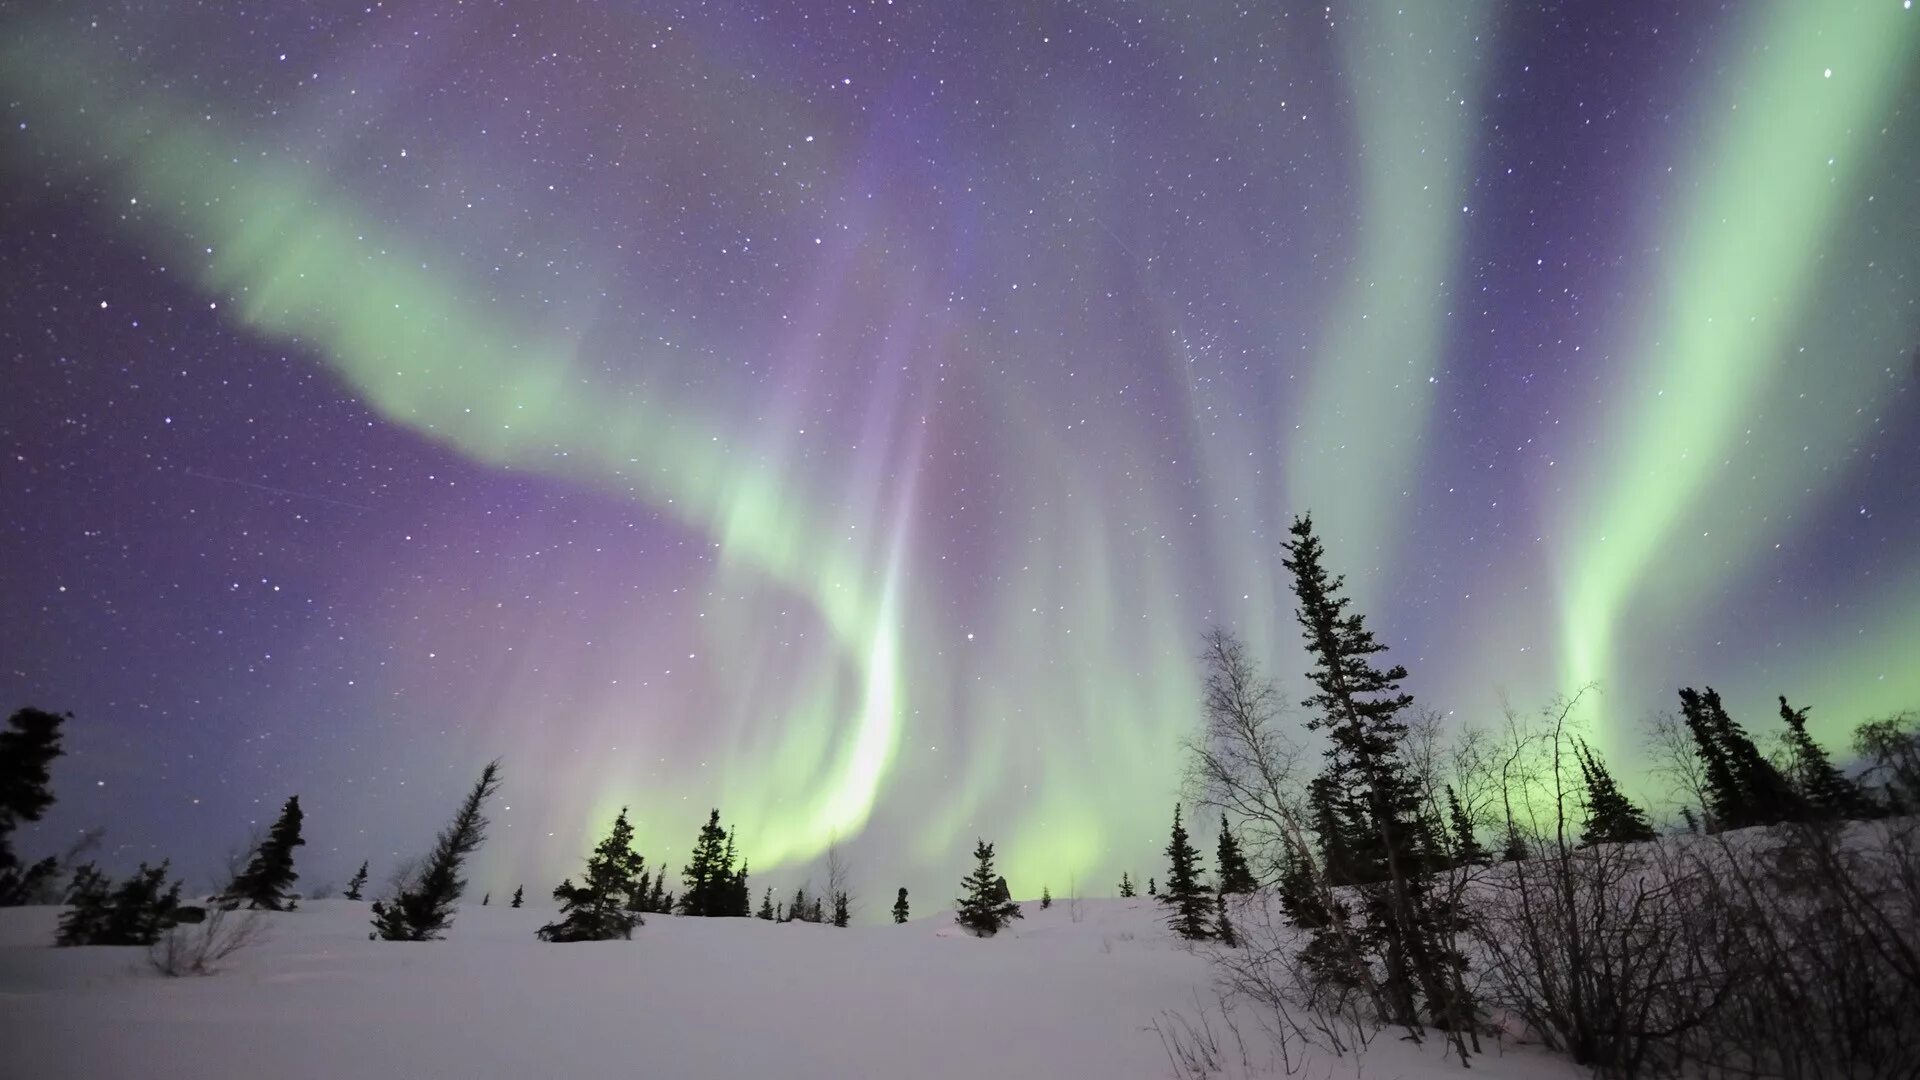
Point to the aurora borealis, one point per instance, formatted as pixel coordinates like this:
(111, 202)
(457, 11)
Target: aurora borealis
(852, 415)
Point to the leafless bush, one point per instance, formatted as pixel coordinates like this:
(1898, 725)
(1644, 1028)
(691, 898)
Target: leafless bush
(1822, 951)
(199, 948)
(1241, 763)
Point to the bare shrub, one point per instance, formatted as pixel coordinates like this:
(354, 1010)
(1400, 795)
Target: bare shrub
(1822, 951)
(199, 948)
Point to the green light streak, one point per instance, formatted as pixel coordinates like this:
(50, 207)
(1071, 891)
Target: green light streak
(1787, 143)
(1359, 428)
(305, 267)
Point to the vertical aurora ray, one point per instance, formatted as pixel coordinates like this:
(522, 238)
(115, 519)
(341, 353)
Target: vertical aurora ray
(1413, 72)
(1792, 126)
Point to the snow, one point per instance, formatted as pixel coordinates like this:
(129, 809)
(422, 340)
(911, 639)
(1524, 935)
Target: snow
(1050, 997)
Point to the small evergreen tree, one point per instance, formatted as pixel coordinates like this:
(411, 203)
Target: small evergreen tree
(658, 900)
(1046, 898)
(519, 895)
(1467, 849)
(713, 889)
(979, 910)
(268, 877)
(1126, 886)
(900, 906)
(599, 908)
(424, 907)
(1152, 889)
(136, 913)
(766, 906)
(357, 885)
(1186, 893)
(1825, 790)
(842, 910)
(1611, 817)
(797, 908)
(1516, 846)
(28, 745)
(1235, 875)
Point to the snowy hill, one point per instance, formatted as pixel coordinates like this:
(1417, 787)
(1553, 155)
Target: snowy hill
(1051, 997)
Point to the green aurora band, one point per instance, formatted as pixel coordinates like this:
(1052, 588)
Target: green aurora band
(810, 753)
(1664, 514)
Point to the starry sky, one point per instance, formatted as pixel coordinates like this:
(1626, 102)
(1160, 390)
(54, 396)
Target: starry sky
(851, 415)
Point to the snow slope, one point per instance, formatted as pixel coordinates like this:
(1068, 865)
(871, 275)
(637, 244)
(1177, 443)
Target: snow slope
(1052, 997)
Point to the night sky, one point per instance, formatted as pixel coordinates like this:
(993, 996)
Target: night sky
(851, 415)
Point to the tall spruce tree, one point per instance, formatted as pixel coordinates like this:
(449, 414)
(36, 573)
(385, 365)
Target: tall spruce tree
(1235, 875)
(1612, 818)
(1466, 847)
(424, 906)
(600, 908)
(269, 875)
(1126, 886)
(28, 745)
(358, 884)
(1825, 790)
(900, 906)
(980, 910)
(1185, 893)
(1373, 797)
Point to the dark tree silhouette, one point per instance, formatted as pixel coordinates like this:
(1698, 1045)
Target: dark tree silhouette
(423, 907)
(1186, 894)
(980, 910)
(28, 746)
(357, 885)
(269, 875)
(600, 907)
(900, 906)
(1612, 818)
(1235, 875)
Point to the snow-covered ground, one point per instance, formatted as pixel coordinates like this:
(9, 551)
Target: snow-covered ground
(1051, 997)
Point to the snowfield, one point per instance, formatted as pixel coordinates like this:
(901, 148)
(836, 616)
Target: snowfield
(1051, 997)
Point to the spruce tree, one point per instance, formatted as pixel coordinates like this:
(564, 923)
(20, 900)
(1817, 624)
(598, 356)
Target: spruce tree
(1235, 875)
(1126, 886)
(1152, 888)
(424, 907)
(600, 908)
(1612, 818)
(1515, 849)
(1186, 894)
(1372, 795)
(1046, 898)
(657, 900)
(766, 906)
(842, 910)
(1825, 790)
(708, 876)
(136, 913)
(1743, 787)
(900, 906)
(268, 877)
(797, 907)
(357, 885)
(28, 745)
(486, 898)
(979, 910)
(519, 895)
(1467, 849)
